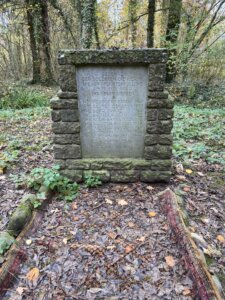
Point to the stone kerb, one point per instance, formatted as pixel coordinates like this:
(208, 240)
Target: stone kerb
(155, 164)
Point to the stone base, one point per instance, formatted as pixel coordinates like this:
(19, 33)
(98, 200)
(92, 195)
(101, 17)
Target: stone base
(117, 170)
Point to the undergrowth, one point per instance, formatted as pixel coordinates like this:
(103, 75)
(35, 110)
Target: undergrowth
(23, 97)
(199, 134)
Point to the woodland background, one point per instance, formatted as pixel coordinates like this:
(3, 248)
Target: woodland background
(32, 32)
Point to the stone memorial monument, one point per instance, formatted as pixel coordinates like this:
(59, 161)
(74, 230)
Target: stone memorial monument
(112, 118)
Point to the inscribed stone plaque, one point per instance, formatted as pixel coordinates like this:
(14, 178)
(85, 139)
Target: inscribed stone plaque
(112, 106)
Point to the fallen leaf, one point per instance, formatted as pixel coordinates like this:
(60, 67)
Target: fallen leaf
(170, 261)
(141, 239)
(2, 170)
(107, 200)
(131, 224)
(33, 274)
(187, 188)
(75, 218)
(220, 238)
(112, 235)
(150, 188)
(179, 168)
(181, 177)
(122, 202)
(28, 242)
(128, 249)
(74, 206)
(65, 241)
(186, 292)
(152, 214)
(188, 171)
(20, 290)
(200, 174)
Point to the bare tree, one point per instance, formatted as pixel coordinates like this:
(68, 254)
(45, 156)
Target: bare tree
(151, 23)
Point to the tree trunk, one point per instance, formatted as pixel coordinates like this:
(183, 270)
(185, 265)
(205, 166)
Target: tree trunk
(45, 43)
(151, 23)
(33, 43)
(133, 25)
(172, 34)
(89, 24)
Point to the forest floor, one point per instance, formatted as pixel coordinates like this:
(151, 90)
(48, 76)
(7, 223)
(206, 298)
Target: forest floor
(104, 245)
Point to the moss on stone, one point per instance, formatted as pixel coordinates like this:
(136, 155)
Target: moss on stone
(19, 219)
(103, 175)
(6, 240)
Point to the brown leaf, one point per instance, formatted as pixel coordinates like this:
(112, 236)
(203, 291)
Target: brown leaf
(170, 261)
(150, 188)
(112, 235)
(122, 202)
(20, 290)
(141, 239)
(187, 188)
(220, 238)
(33, 274)
(128, 249)
(186, 292)
(74, 206)
(131, 224)
(108, 201)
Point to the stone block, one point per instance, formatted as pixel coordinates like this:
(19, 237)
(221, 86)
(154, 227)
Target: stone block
(56, 115)
(63, 139)
(152, 176)
(165, 114)
(152, 114)
(73, 175)
(77, 164)
(161, 165)
(152, 127)
(151, 139)
(165, 139)
(141, 164)
(158, 95)
(159, 103)
(124, 175)
(57, 103)
(67, 151)
(117, 164)
(69, 115)
(96, 165)
(66, 127)
(158, 152)
(165, 126)
(61, 163)
(67, 78)
(67, 95)
(103, 175)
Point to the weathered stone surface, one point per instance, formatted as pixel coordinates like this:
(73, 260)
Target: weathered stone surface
(67, 78)
(78, 164)
(19, 219)
(124, 175)
(103, 175)
(158, 151)
(161, 165)
(141, 164)
(66, 127)
(81, 57)
(67, 95)
(152, 176)
(63, 139)
(117, 164)
(57, 103)
(67, 151)
(73, 175)
(56, 116)
(158, 95)
(152, 114)
(151, 139)
(69, 115)
(165, 139)
(6, 240)
(165, 114)
(96, 165)
(112, 110)
(152, 127)
(159, 103)
(165, 126)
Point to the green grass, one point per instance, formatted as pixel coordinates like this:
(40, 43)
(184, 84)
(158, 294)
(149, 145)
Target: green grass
(23, 97)
(199, 133)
